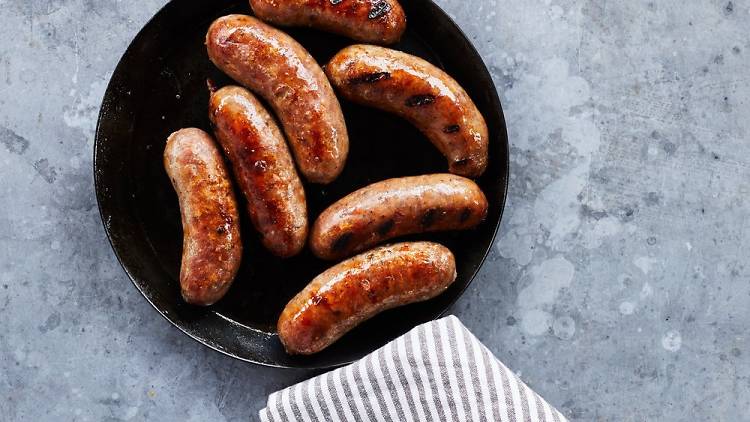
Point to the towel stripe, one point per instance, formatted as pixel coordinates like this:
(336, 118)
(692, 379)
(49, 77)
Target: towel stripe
(524, 400)
(437, 372)
(273, 405)
(450, 367)
(264, 415)
(341, 399)
(463, 414)
(479, 377)
(407, 364)
(356, 389)
(312, 398)
(369, 391)
(417, 349)
(440, 368)
(327, 397)
(375, 362)
(286, 405)
(466, 364)
(395, 381)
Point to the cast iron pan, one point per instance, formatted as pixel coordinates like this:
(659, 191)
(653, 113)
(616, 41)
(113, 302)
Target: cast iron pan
(159, 86)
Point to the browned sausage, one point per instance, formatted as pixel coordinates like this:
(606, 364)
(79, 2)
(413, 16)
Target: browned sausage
(397, 207)
(211, 248)
(263, 169)
(277, 68)
(357, 289)
(373, 21)
(419, 92)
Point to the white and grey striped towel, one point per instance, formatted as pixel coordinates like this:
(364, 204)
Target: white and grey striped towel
(436, 372)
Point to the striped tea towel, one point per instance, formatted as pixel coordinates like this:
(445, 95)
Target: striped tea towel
(436, 372)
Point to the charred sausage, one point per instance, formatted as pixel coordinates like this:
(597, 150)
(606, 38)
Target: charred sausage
(357, 289)
(263, 169)
(419, 92)
(273, 65)
(372, 21)
(211, 249)
(397, 207)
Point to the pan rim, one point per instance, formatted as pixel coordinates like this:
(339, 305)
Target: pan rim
(104, 212)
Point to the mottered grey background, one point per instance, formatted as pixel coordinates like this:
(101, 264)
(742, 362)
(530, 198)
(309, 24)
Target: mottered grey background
(619, 285)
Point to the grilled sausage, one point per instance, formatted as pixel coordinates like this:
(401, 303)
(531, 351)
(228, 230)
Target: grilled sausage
(273, 65)
(211, 249)
(357, 289)
(263, 169)
(372, 21)
(419, 92)
(397, 207)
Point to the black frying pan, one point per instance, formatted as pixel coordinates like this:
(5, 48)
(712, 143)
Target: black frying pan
(159, 86)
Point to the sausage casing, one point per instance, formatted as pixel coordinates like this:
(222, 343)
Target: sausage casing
(276, 67)
(397, 207)
(211, 249)
(263, 169)
(355, 290)
(371, 21)
(419, 92)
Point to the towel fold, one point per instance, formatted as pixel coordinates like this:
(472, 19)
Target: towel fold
(438, 371)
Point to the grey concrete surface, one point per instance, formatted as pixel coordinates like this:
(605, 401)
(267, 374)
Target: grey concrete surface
(619, 285)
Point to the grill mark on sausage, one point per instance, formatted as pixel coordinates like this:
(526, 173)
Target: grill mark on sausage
(385, 227)
(379, 9)
(465, 214)
(420, 100)
(342, 242)
(451, 129)
(370, 78)
(429, 217)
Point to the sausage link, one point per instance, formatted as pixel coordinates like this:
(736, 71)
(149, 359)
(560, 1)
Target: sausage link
(276, 67)
(211, 249)
(355, 290)
(397, 207)
(419, 92)
(263, 169)
(372, 21)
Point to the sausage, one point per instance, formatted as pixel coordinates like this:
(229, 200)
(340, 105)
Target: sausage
(211, 248)
(419, 92)
(371, 21)
(355, 290)
(274, 66)
(263, 169)
(397, 207)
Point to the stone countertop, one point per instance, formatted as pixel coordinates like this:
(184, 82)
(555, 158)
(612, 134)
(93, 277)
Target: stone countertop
(619, 285)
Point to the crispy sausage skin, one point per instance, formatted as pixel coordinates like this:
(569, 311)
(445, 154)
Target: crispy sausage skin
(273, 65)
(263, 169)
(355, 290)
(397, 207)
(211, 249)
(371, 21)
(419, 92)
